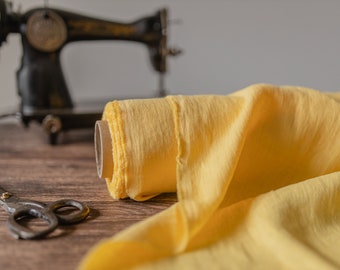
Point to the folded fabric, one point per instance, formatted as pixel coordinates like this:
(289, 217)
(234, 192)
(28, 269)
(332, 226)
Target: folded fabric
(256, 175)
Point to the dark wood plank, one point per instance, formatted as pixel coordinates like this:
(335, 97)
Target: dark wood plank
(31, 168)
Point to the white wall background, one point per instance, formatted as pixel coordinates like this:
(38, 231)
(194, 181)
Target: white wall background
(228, 44)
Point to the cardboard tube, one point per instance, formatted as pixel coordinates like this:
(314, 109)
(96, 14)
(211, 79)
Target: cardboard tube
(103, 149)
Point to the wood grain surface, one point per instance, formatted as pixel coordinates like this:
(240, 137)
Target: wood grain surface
(31, 168)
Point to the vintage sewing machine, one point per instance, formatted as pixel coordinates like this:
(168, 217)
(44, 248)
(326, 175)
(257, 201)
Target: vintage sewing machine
(45, 31)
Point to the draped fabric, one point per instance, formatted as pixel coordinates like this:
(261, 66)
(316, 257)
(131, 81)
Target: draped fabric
(256, 174)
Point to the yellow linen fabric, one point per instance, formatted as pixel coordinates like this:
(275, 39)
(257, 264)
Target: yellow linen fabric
(256, 175)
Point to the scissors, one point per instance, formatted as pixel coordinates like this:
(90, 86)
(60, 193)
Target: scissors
(21, 208)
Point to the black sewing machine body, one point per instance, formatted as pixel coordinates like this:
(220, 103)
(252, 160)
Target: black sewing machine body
(45, 32)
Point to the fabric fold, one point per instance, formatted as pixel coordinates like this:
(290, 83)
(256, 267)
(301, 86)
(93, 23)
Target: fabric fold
(240, 164)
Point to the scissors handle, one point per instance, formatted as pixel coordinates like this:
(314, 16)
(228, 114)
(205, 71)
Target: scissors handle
(48, 214)
(82, 211)
(20, 231)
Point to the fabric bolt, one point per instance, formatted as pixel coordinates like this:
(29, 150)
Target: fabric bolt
(256, 174)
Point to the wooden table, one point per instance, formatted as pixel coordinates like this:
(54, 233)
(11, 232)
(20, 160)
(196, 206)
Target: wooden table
(31, 168)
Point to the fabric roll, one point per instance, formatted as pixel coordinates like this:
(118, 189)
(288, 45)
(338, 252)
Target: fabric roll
(256, 175)
(144, 148)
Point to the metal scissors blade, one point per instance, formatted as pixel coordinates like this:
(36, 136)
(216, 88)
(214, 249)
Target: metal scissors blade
(21, 208)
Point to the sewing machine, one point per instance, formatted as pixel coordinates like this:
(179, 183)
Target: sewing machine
(45, 31)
